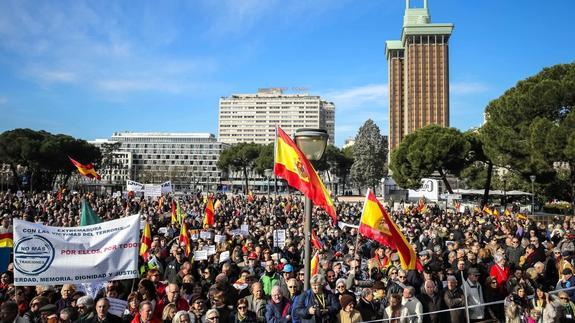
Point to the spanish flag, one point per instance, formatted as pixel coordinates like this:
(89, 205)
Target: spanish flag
(209, 214)
(496, 213)
(292, 165)
(174, 212)
(521, 216)
(314, 265)
(185, 239)
(487, 210)
(7, 240)
(217, 205)
(86, 170)
(506, 212)
(476, 210)
(315, 240)
(146, 243)
(376, 224)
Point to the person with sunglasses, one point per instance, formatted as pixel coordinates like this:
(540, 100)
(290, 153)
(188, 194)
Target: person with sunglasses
(212, 316)
(242, 313)
(33, 315)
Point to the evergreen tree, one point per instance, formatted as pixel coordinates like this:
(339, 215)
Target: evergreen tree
(370, 156)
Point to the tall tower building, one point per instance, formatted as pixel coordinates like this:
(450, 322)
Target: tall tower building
(253, 117)
(418, 67)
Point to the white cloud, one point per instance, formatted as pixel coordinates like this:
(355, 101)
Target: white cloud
(97, 47)
(463, 88)
(370, 94)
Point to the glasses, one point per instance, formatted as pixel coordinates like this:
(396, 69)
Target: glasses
(291, 286)
(494, 282)
(564, 298)
(302, 274)
(401, 277)
(341, 286)
(393, 273)
(81, 307)
(242, 307)
(330, 276)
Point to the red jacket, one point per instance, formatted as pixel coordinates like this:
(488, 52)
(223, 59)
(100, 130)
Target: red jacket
(152, 320)
(181, 305)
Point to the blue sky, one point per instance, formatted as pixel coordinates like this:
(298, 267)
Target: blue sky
(91, 68)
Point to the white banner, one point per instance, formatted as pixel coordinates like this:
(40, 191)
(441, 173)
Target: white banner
(46, 255)
(151, 190)
(166, 187)
(134, 186)
(429, 190)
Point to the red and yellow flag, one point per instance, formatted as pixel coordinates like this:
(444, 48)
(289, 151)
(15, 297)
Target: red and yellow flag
(521, 216)
(496, 213)
(209, 214)
(506, 212)
(146, 242)
(6, 240)
(315, 240)
(185, 239)
(292, 165)
(174, 212)
(86, 170)
(314, 265)
(377, 225)
(487, 210)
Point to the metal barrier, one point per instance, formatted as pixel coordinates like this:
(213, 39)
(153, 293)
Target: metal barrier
(465, 308)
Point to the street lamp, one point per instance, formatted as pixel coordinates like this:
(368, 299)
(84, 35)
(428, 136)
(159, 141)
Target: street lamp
(312, 143)
(532, 178)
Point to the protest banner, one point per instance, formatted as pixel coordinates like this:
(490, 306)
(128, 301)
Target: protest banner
(166, 187)
(201, 255)
(151, 190)
(133, 186)
(224, 256)
(117, 306)
(279, 238)
(45, 255)
(219, 238)
(206, 235)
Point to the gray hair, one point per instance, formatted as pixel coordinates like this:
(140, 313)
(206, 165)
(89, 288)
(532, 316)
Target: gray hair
(317, 279)
(179, 314)
(211, 311)
(365, 292)
(340, 281)
(411, 290)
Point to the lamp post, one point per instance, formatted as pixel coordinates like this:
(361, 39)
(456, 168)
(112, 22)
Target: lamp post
(312, 143)
(504, 192)
(532, 178)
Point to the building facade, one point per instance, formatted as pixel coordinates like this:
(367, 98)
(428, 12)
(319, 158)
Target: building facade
(253, 117)
(187, 159)
(418, 68)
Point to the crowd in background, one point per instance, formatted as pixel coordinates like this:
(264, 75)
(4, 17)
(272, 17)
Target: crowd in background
(468, 258)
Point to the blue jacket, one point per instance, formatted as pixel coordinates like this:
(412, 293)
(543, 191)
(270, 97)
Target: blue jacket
(277, 313)
(308, 299)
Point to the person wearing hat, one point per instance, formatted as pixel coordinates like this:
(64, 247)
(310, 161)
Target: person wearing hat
(197, 307)
(287, 274)
(567, 281)
(254, 266)
(348, 313)
(474, 293)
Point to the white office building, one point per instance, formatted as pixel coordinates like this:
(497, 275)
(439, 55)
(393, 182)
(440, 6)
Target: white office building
(253, 117)
(187, 159)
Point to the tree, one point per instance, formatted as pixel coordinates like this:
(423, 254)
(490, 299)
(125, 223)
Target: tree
(370, 156)
(265, 159)
(530, 129)
(240, 157)
(43, 155)
(480, 165)
(428, 150)
(109, 162)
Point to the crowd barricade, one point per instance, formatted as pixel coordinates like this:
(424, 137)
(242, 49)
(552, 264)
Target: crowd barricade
(464, 308)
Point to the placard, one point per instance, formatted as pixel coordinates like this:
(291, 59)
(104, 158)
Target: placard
(201, 255)
(224, 256)
(117, 306)
(206, 235)
(151, 190)
(279, 237)
(211, 250)
(219, 238)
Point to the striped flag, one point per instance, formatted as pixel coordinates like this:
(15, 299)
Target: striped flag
(507, 213)
(86, 170)
(314, 266)
(376, 224)
(146, 242)
(174, 212)
(292, 165)
(315, 240)
(209, 214)
(7, 240)
(185, 239)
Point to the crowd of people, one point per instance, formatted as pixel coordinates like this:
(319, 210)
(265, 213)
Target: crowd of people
(496, 268)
